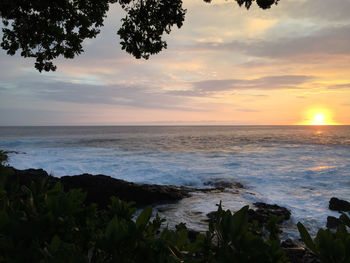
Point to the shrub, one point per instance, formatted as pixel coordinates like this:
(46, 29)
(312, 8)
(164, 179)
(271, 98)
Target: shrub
(40, 223)
(3, 158)
(231, 238)
(330, 247)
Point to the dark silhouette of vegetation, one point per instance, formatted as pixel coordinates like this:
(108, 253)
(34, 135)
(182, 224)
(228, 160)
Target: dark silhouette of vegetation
(40, 223)
(43, 223)
(45, 30)
(330, 247)
(3, 157)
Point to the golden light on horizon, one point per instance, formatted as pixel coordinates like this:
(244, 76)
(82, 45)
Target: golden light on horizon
(319, 119)
(320, 116)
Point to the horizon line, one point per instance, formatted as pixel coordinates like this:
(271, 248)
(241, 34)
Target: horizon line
(167, 125)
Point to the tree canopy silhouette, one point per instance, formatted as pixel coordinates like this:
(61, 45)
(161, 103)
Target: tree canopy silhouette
(45, 30)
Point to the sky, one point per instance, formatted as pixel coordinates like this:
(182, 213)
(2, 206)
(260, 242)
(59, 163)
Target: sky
(225, 66)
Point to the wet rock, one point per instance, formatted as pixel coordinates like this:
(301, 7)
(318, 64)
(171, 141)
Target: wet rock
(300, 255)
(288, 243)
(224, 185)
(26, 177)
(100, 188)
(297, 254)
(339, 205)
(308, 258)
(212, 215)
(264, 211)
(262, 214)
(332, 222)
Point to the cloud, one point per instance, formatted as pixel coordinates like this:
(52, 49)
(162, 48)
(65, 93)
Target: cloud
(118, 95)
(213, 68)
(340, 86)
(330, 40)
(210, 87)
(264, 83)
(247, 110)
(330, 11)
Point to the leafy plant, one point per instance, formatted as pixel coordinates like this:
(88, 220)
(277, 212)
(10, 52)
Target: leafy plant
(234, 239)
(328, 246)
(43, 223)
(3, 157)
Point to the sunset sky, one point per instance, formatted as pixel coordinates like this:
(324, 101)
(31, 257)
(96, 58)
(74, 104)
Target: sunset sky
(226, 65)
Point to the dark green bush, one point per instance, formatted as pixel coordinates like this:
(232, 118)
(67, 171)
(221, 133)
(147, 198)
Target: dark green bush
(330, 247)
(231, 238)
(40, 223)
(3, 157)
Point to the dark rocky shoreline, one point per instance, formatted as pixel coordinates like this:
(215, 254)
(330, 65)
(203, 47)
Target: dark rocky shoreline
(100, 188)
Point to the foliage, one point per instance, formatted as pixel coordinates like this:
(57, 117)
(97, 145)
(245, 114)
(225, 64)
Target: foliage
(328, 246)
(43, 224)
(45, 30)
(38, 224)
(3, 157)
(231, 238)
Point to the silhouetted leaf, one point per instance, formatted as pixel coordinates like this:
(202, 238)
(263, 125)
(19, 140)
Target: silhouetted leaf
(144, 217)
(305, 236)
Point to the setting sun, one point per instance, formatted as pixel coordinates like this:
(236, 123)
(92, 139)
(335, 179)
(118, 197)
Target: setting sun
(318, 117)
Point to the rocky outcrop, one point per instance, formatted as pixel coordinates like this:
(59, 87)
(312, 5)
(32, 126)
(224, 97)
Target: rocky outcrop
(264, 212)
(100, 188)
(339, 205)
(333, 222)
(297, 254)
(221, 185)
(26, 177)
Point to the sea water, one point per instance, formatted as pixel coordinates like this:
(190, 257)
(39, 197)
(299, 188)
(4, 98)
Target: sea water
(298, 167)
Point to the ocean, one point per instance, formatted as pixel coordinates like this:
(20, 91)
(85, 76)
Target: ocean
(298, 167)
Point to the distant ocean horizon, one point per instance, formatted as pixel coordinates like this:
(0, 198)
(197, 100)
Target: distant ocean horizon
(298, 167)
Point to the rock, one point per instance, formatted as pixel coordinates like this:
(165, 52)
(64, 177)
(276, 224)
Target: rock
(264, 211)
(100, 188)
(297, 254)
(300, 255)
(14, 152)
(288, 243)
(308, 258)
(26, 177)
(212, 215)
(332, 222)
(221, 185)
(339, 205)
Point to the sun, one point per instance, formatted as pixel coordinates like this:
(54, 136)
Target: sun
(318, 116)
(319, 119)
